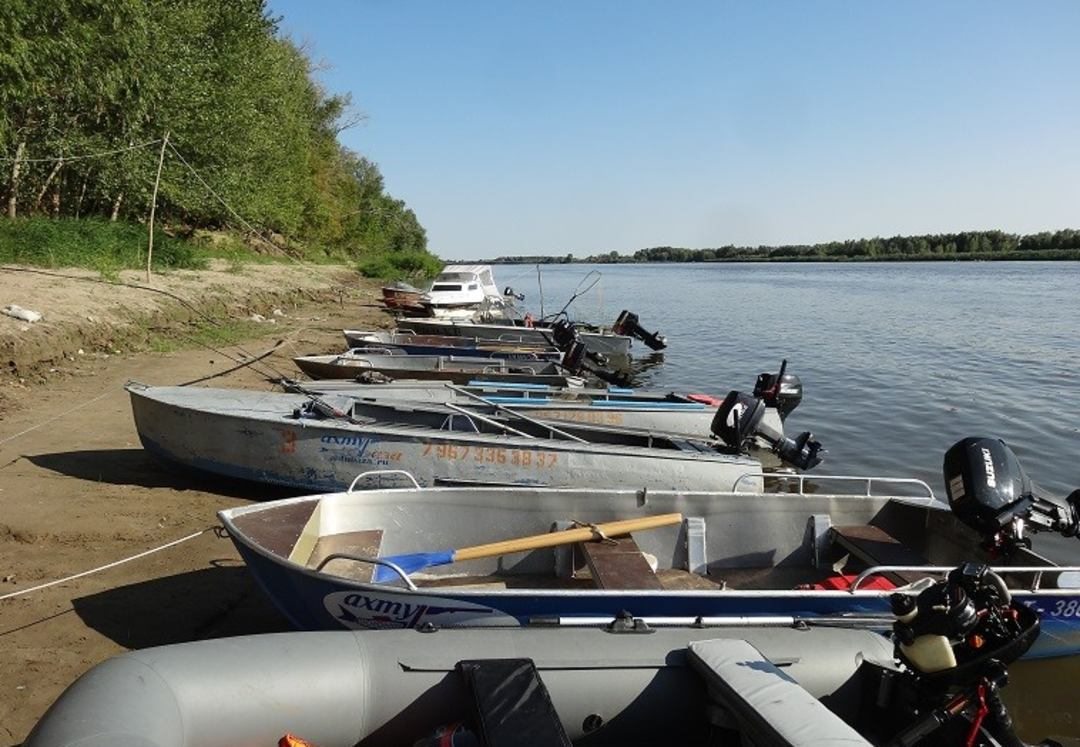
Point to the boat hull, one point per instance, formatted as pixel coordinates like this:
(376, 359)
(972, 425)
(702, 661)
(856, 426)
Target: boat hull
(253, 436)
(743, 531)
(313, 602)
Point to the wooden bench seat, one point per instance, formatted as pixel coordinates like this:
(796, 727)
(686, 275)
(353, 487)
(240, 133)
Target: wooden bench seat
(363, 544)
(874, 546)
(619, 564)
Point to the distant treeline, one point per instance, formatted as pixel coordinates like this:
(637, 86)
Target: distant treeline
(89, 88)
(1064, 244)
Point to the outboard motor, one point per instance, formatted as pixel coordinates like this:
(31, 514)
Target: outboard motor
(508, 292)
(574, 359)
(955, 638)
(628, 324)
(781, 390)
(740, 420)
(563, 334)
(989, 491)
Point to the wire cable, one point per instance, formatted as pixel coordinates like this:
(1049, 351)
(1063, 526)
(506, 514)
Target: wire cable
(82, 157)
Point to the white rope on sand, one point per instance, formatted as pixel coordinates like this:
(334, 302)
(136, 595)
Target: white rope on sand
(106, 566)
(65, 413)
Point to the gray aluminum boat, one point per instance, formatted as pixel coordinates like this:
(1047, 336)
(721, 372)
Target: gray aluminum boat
(689, 415)
(355, 364)
(414, 344)
(604, 343)
(305, 442)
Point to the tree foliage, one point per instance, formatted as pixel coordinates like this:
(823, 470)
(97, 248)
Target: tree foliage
(1064, 244)
(240, 104)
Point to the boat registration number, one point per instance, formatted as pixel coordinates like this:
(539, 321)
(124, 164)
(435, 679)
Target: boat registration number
(493, 455)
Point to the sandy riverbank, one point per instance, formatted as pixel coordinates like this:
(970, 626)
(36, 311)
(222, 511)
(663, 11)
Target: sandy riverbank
(77, 491)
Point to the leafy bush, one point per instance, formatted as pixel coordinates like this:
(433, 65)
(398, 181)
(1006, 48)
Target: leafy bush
(400, 265)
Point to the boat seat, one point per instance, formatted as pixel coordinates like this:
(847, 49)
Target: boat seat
(512, 706)
(619, 564)
(364, 544)
(874, 546)
(767, 705)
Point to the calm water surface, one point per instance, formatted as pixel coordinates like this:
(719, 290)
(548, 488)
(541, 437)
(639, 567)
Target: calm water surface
(899, 361)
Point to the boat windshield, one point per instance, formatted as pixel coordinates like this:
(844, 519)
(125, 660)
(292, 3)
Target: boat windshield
(461, 277)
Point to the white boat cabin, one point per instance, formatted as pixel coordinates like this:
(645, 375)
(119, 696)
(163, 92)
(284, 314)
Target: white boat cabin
(461, 288)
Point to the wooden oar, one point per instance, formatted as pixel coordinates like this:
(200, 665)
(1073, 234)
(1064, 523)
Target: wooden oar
(412, 562)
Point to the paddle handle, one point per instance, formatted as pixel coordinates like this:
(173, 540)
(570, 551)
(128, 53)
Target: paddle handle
(565, 537)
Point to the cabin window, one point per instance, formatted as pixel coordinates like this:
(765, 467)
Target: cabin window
(445, 287)
(473, 286)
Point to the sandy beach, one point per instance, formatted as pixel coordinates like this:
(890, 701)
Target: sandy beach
(77, 491)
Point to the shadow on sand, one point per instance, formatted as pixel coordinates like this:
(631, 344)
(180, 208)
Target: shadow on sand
(137, 467)
(215, 602)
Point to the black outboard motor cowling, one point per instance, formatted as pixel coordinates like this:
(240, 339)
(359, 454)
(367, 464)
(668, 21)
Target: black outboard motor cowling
(986, 486)
(989, 491)
(578, 359)
(737, 419)
(627, 323)
(564, 334)
(783, 391)
(574, 357)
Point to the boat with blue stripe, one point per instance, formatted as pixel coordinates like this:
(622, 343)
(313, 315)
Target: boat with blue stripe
(736, 557)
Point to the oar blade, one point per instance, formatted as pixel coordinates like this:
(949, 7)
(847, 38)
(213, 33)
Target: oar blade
(410, 563)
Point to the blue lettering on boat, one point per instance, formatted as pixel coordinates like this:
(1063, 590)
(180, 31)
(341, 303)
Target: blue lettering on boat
(356, 610)
(362, 443)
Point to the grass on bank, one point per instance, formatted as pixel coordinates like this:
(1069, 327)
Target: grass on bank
(107, 247)
(213, 335)
(92, 244)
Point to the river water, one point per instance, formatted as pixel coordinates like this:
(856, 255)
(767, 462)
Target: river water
(898, 362)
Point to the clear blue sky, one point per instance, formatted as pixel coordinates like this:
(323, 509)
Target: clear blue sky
(596, 125)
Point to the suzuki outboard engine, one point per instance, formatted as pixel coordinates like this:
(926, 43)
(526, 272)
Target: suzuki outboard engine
(740, 420)
(627, 324)
(781, 390)
(989, 491)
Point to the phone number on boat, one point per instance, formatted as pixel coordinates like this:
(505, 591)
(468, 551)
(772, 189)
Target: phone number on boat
(493, 455)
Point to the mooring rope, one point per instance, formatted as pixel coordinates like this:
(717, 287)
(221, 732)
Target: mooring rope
(65, 413)
(107, 566)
